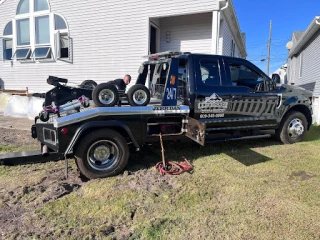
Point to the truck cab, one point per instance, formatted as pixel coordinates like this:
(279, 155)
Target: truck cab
(229, 95)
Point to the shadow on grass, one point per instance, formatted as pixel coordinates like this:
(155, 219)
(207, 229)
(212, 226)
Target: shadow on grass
(240, 151)
(248, 157)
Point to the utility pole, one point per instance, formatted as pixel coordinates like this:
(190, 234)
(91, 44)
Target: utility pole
(269, 48)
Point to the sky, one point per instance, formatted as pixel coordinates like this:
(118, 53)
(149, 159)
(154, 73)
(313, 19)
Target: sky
(287, 17)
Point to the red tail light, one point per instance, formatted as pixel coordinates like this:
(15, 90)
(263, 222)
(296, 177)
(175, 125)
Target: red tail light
(64, 131)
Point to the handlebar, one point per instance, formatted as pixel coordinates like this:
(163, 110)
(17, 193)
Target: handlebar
(55, 81)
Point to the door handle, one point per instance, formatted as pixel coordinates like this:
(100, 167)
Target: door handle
(236, 97)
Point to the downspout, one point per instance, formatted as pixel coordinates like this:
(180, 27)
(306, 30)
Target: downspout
(218, 25)
(226, 6)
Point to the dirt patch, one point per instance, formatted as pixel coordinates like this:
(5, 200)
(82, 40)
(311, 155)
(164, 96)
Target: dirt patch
(17, 205)
(16, 137)
(18, 201)
(148, 180)
(302, 175)
(16, 123)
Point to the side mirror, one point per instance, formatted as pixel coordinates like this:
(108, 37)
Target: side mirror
(141, 68)
(276, 78)
(275, 81)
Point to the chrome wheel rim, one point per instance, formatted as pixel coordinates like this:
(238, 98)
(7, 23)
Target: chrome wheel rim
(106, 96)
(295, 128)
(103, 155)
(139, 97)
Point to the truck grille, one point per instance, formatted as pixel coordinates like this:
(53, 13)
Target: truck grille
(49, 136)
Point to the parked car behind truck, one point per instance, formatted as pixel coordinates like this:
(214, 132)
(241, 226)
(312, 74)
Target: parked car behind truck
(207, 98)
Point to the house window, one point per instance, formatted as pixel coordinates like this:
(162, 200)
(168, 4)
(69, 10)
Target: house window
(42, 30)
(60, 24)
(62, 39)
(64, 46)
(7, 52)
(23, 7)
(233, 48)
(22, 53)
(301, 65)
(41, 53)
(32, 33)
(40, 5)
(7, 42)
(8, 29)
(23, 32)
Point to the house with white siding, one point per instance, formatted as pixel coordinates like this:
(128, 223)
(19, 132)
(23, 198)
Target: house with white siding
(104, 40)
(303, 62)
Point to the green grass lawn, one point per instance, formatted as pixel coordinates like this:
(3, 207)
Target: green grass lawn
(257, 189)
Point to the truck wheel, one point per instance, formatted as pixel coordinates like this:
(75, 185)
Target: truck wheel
(105, 95)
(292, 128)
(138, 95)
(102, 153)
(88, 84)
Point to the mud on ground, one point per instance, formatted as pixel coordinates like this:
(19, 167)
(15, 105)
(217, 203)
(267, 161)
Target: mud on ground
(25, 188)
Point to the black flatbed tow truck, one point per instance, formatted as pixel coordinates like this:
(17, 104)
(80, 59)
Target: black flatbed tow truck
(206, 98)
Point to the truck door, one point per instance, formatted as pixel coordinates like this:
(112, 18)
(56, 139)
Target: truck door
(212, 93)
(254, 102)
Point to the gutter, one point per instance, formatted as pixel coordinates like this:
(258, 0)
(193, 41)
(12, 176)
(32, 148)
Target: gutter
(308, 34)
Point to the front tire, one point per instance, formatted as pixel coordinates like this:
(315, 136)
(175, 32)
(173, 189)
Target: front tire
(105, 95)
(292, 128)
(102, 153)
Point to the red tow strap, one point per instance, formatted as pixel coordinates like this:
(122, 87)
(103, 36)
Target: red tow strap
(173, 168)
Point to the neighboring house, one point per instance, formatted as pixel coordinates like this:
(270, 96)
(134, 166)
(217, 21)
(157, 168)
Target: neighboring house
(304, 61)
(104, 40)
(282, 72)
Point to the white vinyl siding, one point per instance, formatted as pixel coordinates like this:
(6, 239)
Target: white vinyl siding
(310, 65)
(190, 33)
(1, 52)
(226, 40)
(109, 39)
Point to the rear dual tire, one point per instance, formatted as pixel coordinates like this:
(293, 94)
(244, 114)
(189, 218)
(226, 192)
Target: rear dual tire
(102, 153)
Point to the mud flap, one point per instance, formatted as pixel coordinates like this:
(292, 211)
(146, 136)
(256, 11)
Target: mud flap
(196, 130)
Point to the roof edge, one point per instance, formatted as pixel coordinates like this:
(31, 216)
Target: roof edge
(308, 34)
